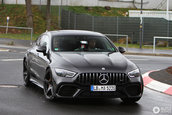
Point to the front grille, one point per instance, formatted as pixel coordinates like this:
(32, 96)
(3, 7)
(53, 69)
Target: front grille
(93, 78)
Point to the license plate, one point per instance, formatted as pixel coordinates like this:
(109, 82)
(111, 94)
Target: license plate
(103, 87)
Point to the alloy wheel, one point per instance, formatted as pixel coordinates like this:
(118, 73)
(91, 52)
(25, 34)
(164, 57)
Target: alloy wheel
(48, 87)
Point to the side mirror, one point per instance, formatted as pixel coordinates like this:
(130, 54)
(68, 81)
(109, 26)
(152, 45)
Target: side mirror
(121, 50)
(42, 49)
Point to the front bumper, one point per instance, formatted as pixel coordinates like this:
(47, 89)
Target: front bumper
(72, 90)
(81, 88)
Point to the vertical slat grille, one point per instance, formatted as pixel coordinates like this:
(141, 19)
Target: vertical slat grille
(93, 78)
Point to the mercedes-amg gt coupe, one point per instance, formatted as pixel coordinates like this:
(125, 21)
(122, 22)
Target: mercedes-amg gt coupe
(81, 64)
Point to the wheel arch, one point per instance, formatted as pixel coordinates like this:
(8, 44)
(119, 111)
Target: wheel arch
(24, 61)
(46, 72)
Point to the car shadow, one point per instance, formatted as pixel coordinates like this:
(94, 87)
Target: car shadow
(92, 104)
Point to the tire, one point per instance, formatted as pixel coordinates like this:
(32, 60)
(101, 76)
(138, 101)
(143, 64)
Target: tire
(130, 100)
(49, 86)
(26, 75)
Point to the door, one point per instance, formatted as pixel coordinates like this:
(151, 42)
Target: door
(33, 59)
(42, 60)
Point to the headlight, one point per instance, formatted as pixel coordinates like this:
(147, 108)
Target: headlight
(64, 73)
(134, 73)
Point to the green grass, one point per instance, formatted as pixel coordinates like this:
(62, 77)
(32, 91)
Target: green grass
(19, 36)
(54, 15)
(34, 37)
(17, 14)
(98, 11)
(144, 46)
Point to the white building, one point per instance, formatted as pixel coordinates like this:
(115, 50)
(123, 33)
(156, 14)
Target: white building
(147, 4)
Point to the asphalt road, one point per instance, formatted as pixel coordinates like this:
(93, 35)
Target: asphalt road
(30, 101)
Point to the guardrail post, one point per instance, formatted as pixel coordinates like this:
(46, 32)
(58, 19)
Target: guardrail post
(75, 21)
(31, 36)
(117, 28)
(127, 42)
(92, 23)
(154, 45)
(68, 19)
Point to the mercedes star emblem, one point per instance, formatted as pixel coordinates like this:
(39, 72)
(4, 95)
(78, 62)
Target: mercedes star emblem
(103, 79)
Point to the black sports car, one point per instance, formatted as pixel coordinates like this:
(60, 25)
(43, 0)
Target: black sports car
(81, 64)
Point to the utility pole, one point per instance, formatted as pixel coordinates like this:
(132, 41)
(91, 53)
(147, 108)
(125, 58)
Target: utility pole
(141, 25)
(29, 14)
(167, 12)
(59, 18)
(48, 15)
(40, 5)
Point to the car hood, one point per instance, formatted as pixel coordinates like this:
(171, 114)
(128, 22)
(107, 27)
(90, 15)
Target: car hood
(92, 61)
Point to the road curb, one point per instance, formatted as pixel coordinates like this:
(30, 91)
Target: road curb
(148, 54)
(13, 46)
(156, 85)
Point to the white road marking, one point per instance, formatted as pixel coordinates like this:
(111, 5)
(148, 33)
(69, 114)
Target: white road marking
(16, 47)
(6, 60)
(22, 52)
(139, 59)
(8, 86)
(4, 50)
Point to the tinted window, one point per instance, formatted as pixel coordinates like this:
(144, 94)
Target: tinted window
(38, 41)
(82, 43)
(44, 40)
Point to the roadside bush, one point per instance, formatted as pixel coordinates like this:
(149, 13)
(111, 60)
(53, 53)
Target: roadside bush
(162, 43)
(123, 40)
(169, 70)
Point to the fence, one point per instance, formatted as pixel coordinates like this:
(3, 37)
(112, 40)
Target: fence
(119, 35)
(54, 11)
(118, 25)
(21, 28)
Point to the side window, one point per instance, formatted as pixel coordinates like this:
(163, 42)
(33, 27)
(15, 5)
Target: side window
(44, 40)
(38, 41)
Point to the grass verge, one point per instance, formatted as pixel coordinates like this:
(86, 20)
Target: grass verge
(98, 11)
(144, 46)
(19, 36)
(34, 37)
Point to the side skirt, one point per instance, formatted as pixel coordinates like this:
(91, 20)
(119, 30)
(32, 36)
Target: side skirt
(36, 82)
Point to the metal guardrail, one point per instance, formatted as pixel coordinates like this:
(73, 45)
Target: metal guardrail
(24, 28)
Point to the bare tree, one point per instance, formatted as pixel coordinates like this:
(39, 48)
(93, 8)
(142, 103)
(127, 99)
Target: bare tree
(48, 15)
(29, 22)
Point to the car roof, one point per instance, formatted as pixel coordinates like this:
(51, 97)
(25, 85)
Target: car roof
(74, 32)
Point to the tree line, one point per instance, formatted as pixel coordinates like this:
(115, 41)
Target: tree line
(29, 22)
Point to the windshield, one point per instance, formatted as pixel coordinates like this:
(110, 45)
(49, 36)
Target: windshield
(82, 43)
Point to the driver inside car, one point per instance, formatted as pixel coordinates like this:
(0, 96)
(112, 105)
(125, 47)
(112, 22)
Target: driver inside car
(91, 44)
